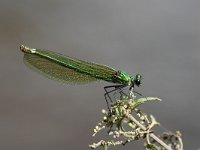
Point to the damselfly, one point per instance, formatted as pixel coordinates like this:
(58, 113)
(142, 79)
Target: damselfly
(66, 69)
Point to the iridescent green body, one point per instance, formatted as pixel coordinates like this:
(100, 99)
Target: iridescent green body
(67, 69)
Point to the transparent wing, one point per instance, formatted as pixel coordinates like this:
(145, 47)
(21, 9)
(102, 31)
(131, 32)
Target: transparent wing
(55, 71)
(98, 71)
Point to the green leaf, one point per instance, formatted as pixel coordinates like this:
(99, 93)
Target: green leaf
(138, 102)
(152, 147)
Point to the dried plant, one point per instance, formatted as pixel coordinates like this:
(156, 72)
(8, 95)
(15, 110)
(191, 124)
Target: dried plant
(125, 122)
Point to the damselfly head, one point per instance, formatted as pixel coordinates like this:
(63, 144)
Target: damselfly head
(137, 80)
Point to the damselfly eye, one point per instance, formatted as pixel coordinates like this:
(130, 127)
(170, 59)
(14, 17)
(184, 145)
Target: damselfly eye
(137, 79)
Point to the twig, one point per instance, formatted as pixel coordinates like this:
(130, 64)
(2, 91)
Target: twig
(145, 129)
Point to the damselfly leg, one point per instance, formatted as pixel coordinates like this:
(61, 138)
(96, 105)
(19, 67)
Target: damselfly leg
(108, 92)
(118, 89)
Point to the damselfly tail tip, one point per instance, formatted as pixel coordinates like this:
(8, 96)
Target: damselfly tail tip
(26, 49)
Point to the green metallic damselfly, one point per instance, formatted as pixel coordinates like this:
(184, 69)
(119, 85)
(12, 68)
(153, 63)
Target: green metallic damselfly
(66, 69)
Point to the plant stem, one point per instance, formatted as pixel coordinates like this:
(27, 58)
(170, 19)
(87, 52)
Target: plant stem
(145, 129)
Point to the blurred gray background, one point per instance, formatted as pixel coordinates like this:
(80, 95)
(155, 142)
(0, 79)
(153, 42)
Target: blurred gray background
(159, 39)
